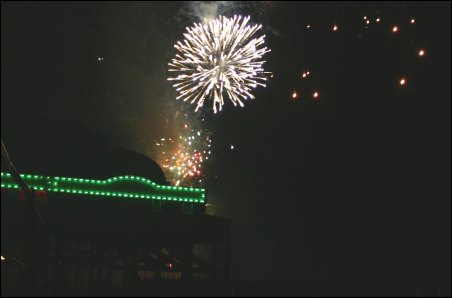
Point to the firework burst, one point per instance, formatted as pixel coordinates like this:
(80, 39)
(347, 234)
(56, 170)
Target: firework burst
(220, 57)
(183, 158)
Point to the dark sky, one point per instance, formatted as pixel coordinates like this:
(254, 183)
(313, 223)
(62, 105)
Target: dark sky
(350, 188)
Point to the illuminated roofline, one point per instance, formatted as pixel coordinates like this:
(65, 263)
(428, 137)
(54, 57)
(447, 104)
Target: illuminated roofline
(115, 187)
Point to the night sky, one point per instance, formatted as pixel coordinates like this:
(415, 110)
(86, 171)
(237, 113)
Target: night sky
(349, 188)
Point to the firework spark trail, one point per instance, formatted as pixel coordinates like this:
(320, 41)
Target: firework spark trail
(219, 57)
(183, 159)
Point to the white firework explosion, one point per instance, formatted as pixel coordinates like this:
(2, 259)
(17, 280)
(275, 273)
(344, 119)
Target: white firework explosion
(219, 57)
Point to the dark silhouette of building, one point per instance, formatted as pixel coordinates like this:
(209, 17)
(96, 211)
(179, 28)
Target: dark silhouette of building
(78, 244)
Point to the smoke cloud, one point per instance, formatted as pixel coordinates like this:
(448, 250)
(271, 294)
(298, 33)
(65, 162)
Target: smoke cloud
(209, 9)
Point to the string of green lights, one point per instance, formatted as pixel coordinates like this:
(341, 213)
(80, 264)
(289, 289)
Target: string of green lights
(130, 187)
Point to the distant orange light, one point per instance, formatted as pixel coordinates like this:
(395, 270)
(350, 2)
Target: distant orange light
(377, 20)
(413, 21)
(315, 95)
(395, 29)
(402, 81)
(294, 95)
(421, 53)
(308, 26)
(304, 75)
(307, 72)
(365, 17)
(368, 22)
(335, 28)
(185, 125)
